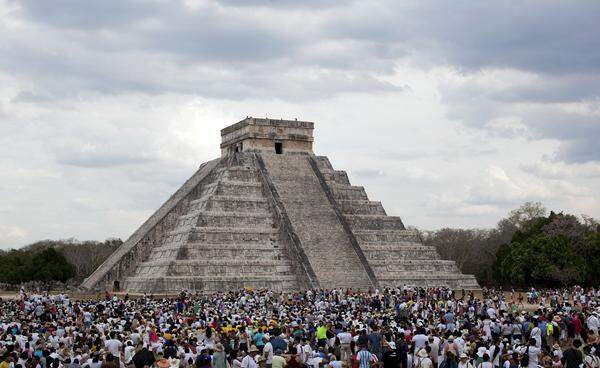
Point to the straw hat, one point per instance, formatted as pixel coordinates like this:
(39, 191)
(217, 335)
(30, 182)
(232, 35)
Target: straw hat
(253, 349)
(163, 363)
(219, 347)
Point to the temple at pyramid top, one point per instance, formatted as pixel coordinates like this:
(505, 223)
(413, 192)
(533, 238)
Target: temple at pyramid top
(267, 135)
(269, 213)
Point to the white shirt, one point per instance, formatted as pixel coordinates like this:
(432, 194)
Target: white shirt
(345, 337)
(534, 353)
(419, 340)
(249, 362)
(114, 346)
(268, 352)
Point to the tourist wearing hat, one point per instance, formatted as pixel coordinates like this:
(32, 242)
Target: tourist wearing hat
(174, 362)
(249, 360)
(268, 351)
(423, 359)
(219, 358)
(463, 361)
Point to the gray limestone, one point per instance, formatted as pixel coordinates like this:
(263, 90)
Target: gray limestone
(271, 214)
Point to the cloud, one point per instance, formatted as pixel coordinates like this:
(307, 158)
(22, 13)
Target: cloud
(11, 235)
(450, 113)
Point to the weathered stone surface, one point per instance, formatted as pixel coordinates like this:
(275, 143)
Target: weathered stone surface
(277, 217)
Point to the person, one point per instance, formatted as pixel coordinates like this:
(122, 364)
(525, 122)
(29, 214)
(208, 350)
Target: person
(219, 358)
(321, 334)
(345, 338)
(375, 339)
(532, 353)
(485, 361)
(573, 357)
(333, 362)
(143, 358)
(464, 361)
(390, 357)
(249, 360)
(278, 361)
(268, 352)
(365, 358)
(423, 360)
(113, 345)
(128, 352)
(203, 360)
(593, 323)
(304, 351)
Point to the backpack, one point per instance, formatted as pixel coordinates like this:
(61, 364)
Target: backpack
(525, 358)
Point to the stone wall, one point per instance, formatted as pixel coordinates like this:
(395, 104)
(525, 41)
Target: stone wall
(135, 249)
(318, 228)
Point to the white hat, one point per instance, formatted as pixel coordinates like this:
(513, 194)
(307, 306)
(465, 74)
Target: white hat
(422, 353)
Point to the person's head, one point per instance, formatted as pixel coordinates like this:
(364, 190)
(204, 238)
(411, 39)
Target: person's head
(486, 357)
(531, 342)
(463, 358)
(576, 343)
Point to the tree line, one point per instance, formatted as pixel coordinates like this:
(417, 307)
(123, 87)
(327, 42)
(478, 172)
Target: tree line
(54, 260)
(530, 247)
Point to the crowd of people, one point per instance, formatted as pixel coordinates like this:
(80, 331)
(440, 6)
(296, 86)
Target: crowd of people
(392, 328)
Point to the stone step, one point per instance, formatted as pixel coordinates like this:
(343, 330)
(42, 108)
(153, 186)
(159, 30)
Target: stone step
(452, 280)
(220, 235)
(242, 159)
(348, 192)
(175, 284)
(433, 266)
(233, 246)
(323, 163)
(274, 254)
(239, 204)
(385, 236)
(335, 176)
(400, 254)
(361, 207)
(218, 251)
(241, 173)
(234, 219)
(374, 222)
(400, 246)
(207, 267)
(239, 188)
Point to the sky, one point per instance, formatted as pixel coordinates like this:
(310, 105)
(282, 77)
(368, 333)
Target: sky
(451, 113)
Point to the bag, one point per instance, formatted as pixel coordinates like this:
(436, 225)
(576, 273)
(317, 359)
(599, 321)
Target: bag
(525, 358)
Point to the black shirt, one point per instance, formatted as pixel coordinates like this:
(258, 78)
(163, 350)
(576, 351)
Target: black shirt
(572, 358)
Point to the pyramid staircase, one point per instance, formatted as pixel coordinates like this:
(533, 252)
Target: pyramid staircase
(225, 239)
(396, 255)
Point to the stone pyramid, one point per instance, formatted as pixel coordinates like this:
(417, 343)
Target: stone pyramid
(270, 214)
